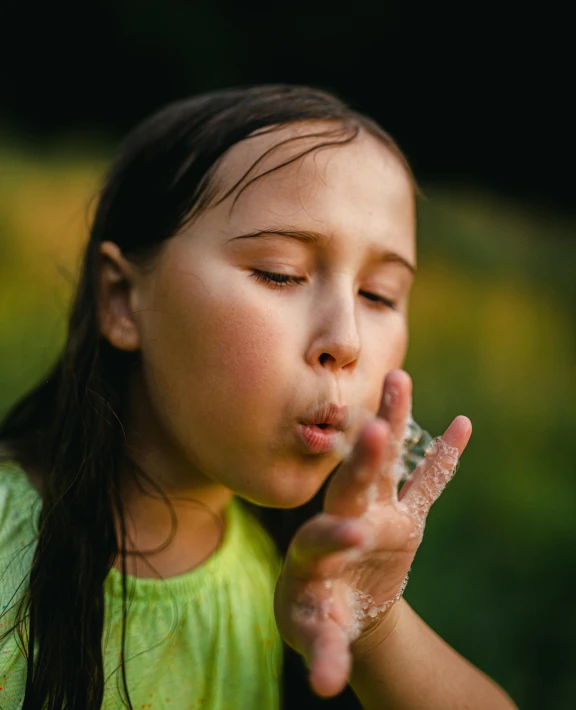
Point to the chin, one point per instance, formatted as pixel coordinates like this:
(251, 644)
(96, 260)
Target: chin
(293, 492)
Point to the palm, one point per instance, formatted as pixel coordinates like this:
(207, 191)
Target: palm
(337, 584)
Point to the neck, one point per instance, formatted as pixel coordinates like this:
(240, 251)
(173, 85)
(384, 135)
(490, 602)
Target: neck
(172, 533)
(173, 514)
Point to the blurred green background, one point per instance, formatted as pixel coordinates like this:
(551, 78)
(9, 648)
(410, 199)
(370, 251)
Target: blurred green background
(493, 337)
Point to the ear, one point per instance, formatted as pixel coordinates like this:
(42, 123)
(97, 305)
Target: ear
(116, 299)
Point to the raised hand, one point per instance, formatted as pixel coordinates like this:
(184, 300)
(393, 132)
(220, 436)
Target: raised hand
(347, 567)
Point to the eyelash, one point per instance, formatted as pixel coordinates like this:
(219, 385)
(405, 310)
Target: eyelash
(283, 280)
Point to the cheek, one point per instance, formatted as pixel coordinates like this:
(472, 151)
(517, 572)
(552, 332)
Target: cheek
(401, 348)
(245, 347)
(213, 343)
(390, 355)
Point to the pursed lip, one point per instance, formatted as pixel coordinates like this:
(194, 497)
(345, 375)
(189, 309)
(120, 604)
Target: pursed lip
(331, 414)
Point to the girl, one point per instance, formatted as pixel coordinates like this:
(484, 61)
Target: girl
(201, 499)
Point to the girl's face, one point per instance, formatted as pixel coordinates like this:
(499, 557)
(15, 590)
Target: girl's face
(232, 364)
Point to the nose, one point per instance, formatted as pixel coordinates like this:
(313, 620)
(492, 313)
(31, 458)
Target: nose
(336, 339)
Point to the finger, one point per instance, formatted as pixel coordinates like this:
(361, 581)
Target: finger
(396, 404)
(396, 407)
(355, 485)
(330, 661)
(325, 535)
(434, 472)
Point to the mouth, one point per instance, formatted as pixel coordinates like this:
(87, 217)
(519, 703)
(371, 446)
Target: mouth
(329, 417)
(319, 438)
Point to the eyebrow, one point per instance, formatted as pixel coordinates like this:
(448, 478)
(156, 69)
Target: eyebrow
(319, 239)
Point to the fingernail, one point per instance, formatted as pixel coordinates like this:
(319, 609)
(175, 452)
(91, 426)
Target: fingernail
(362, 473)
(347, 526)
(391, 395)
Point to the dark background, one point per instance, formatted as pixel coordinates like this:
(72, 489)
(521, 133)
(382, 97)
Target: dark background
(485, 105)
(482, 107)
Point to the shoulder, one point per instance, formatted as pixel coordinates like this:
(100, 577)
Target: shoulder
(20, 505)
(19, 501)
(29, 473)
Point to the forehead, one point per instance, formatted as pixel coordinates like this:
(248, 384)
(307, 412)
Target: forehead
(276, 148)
(359, 186)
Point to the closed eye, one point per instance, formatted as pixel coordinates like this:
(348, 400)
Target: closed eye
(285, 280)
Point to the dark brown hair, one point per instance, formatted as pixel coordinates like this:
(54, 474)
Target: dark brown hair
(70, 425)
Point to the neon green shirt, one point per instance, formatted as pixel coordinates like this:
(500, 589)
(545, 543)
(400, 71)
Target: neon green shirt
(204, 639)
